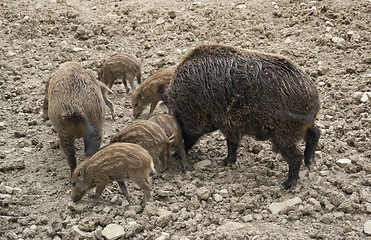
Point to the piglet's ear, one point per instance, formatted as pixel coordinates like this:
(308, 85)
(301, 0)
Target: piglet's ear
(80, 174)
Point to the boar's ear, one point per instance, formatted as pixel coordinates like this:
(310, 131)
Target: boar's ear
(80, 174)
(163, 93)
(140, 95)
(115, 139)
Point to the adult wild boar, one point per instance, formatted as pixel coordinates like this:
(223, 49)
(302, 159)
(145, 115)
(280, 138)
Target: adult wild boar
(245, 92)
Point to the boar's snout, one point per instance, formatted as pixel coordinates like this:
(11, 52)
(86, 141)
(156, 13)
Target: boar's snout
(76, 197)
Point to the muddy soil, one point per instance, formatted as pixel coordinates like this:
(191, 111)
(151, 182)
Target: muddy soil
(330, 40)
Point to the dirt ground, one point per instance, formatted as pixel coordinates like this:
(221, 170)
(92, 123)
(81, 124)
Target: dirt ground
(330, 40)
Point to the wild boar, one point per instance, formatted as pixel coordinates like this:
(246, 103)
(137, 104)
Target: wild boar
(121, 66)
(147, 92)
(246, 92)
(172, 129)
(150, 136)
(76, 109)
(115, 162)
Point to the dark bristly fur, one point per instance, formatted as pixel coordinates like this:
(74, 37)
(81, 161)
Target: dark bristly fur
(147, 92)
(76, 109)
(115, 162)
(121, 66)
(245, 92)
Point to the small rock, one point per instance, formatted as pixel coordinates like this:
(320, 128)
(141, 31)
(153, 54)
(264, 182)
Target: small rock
(357, 96)
(114, 199)
(247, 218)
(160, 21)
(343, 162)
(229, 227)
(224, 193)
(80, 234)
(77, 49)
(203, 193)
(197, 3)
(367, 228)
(240, 6)
(164, 236)
(217, 197)
(364, 98)
(172, 14)
(288, 41)
(107, 209)
(323, 173)
(164, 218)
(8, 189)
(161, 53)
(338, 40)
(280, 206)
(202, 164)
(162, 193)
(2, 126)
(113, 231)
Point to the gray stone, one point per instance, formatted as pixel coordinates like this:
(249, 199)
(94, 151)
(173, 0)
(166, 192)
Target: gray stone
(247, 218)
(367, 227)
(202, 164)
(164, 236)
(80, 234)
(364, 98)
(217, 197)
(280, 206)
(224, 193)
(343, 162)
(203, 193)
(229, 227)
(113, 231)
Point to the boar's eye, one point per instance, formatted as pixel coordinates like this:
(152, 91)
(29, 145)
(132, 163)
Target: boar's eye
(73, 184)
(136, 105)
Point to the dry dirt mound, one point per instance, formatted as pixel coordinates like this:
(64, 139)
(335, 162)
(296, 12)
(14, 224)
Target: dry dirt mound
(328, 39)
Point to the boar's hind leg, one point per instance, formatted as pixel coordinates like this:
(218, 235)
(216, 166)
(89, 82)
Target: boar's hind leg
(232, 143)
(293, 157)
(124, 190)
(311, 138)
(68, 147)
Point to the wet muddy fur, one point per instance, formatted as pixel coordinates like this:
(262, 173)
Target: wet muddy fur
(244, 92)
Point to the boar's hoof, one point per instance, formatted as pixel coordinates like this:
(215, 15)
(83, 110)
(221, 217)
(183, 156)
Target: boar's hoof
(226, 162)
(288, 184)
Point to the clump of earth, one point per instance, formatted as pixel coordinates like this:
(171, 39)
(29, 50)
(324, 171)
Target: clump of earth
(330, 40)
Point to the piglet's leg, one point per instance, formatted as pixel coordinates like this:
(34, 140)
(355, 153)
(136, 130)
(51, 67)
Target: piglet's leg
(124, 190)
(67, 145)
(100, 186)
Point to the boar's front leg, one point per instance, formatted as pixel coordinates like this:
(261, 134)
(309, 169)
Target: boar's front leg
(67, 145)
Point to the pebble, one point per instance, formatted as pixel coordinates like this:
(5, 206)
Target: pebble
(2, 126)
(230, 227)
(203, 193)
(164, 236)
(8, 189)
(364, 98)
(224, 193)
(202, 164)
(217, 197)
(160, 21)
(343, 162)
(113, 231)
(80, 234)
(367, 228)
(240, 6)
(277, 207)
(247, 218)
(172, 14)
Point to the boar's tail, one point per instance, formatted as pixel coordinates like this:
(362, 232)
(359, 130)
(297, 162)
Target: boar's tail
(90, 140)
(297, 117)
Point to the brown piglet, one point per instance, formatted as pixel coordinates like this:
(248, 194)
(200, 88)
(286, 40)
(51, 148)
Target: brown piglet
(76, 109)
(115, 162)
(150, 136)
(147, 92)
(121, 66)
(171, 128)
